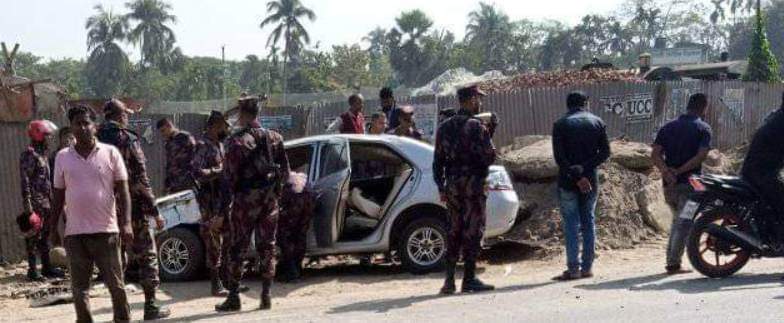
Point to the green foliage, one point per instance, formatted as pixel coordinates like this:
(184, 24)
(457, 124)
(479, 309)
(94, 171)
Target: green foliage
(410, 53)
(155, 39)
(763, 65)
(107, 65)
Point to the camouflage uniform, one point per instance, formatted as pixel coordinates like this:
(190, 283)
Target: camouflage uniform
(296, 210)
(36, 197)
(463, 154)
(179, 155)
(213, 196)
(255, 205)
(143, 252)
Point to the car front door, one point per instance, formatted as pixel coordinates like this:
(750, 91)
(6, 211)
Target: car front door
(331, 188)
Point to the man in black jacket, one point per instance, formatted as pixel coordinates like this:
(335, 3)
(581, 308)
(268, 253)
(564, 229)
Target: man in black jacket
(764, 163)
(580, 145)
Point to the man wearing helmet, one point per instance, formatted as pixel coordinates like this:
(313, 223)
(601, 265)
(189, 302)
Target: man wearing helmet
(37, 197)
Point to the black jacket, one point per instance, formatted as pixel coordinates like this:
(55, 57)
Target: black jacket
(580, 145)
(766, 153)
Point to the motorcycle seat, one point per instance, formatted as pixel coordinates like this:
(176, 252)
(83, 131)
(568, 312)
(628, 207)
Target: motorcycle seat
(729, 183)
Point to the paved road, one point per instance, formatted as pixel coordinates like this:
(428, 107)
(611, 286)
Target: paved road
(629, 287)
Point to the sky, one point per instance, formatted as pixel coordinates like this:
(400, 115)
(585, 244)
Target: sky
(55, 28)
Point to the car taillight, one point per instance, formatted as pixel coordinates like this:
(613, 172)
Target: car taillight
(499, 181)
(696, 184)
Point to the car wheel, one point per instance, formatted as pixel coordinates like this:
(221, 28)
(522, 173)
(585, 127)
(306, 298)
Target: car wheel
(180, 255)
(422, 246)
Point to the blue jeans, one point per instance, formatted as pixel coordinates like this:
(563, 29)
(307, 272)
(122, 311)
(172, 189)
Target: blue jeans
(578, 212)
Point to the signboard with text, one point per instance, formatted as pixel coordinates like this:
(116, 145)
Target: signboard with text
(633, 107)
(677, 56)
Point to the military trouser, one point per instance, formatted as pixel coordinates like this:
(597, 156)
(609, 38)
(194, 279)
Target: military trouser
(214, 244)
(466, 200)
(292, 238)
(292, 235)
(37, 245)
(143, 253)
(247, 219)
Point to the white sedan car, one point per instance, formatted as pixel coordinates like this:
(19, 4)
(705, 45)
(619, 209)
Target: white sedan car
(376, 194)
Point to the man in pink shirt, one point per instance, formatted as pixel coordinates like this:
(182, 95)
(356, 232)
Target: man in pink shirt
(91, 179)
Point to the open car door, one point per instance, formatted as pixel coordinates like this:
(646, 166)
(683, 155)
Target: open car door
(331, 188)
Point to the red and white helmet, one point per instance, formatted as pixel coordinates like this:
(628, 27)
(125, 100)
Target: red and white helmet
(37, 130)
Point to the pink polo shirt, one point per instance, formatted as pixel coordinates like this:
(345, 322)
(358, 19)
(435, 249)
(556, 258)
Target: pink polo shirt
(89, 188)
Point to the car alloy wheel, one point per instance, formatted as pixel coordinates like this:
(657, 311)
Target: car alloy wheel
(174, 256)
(426, 246)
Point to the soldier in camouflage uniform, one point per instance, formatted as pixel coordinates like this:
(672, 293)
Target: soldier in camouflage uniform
(296, 209)
(257, 168)
(180, 147)
(37, 197)
(463, 154)
(213, 195)
(143, 252)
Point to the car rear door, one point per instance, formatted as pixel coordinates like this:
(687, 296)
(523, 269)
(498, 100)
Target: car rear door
(333, 171)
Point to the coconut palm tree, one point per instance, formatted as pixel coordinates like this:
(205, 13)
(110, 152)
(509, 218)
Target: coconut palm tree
(287, 16)
(490, 31)
(155, 39)
(107, 64)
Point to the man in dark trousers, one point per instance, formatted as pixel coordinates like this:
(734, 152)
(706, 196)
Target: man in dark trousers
(763, 165)
(257, 169)
(91, 179)
(464, 152)
(143, 252)
(180, 147)
(36, 182)
(351, 121)
(213, 195)
(389, 107)
(580, 145)
(679, 150)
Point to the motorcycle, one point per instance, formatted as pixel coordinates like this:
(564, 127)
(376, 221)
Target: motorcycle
(732, 224)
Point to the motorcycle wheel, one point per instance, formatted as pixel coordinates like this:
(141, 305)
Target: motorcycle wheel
(710, 255)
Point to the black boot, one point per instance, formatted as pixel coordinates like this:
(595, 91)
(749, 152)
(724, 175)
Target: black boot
(232, 302)
(449, 283)
(471, 284)
(32, 269)
(266, 299)
(47, 270)
(153, 311)
(217, 286)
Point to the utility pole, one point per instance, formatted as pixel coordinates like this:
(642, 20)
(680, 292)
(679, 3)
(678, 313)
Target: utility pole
(223, 62)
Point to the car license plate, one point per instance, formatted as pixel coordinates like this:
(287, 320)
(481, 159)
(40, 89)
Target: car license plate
(689, 211)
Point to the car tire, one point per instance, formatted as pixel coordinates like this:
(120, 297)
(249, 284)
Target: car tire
(422, 246)
(180, 255)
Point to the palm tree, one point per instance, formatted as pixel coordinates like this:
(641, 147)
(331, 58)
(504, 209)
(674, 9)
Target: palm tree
(490, 31)
(156, 40)
(107, 64)
(287, 15)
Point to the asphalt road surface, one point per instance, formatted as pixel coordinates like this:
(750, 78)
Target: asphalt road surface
(629, 286)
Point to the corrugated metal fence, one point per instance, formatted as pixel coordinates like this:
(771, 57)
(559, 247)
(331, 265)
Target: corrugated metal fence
(634, 110)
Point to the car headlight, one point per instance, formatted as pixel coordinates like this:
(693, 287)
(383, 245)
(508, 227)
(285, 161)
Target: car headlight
(499, 180)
